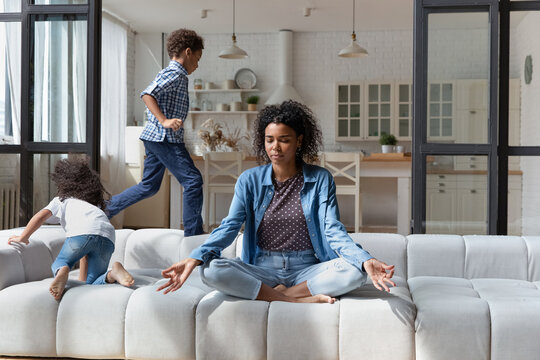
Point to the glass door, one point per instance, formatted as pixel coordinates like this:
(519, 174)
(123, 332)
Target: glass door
(455, 113)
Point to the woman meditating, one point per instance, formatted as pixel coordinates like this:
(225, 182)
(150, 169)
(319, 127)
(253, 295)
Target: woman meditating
(295, 249)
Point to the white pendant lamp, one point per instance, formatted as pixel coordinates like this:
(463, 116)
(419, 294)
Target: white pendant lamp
(353, 50)
(233, 52)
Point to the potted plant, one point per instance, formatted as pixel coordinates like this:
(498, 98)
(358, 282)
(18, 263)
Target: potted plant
(252, 102)
(387, 141)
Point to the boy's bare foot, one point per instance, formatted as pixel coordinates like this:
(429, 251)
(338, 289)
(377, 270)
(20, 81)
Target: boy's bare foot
(120, 275)
(59, 283)
(317, 299)
(281, 288)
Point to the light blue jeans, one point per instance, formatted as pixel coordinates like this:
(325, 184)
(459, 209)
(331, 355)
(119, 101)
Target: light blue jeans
(99, 250)
(236, 278)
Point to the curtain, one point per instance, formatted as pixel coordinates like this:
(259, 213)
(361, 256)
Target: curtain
(113, 106)
(12, 67)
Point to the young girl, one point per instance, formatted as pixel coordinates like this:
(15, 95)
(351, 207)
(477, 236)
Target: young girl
(79, 207)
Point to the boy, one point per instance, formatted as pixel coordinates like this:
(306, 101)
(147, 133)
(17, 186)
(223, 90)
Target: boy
(167, 101)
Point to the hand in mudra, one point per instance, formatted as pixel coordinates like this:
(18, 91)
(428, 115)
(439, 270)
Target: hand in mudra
(377, 271)
(178, 274)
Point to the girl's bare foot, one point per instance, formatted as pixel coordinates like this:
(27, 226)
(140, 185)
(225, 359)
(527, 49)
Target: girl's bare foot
(59, 283)
(120, 275)
(281, 288)
(317, 299)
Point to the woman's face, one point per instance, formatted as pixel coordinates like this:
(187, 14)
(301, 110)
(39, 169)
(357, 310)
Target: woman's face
(281, 143)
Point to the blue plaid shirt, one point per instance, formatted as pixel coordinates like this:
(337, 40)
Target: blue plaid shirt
(170, 89)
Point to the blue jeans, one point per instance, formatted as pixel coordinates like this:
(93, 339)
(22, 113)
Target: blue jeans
(237, 278)
(175, 157)
(99, 250)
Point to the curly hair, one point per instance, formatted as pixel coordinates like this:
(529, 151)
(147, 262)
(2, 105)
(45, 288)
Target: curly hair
(295, 115)
(75, 179)
(181, 39)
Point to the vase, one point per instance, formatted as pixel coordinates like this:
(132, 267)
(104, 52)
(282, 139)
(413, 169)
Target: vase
(387, 148)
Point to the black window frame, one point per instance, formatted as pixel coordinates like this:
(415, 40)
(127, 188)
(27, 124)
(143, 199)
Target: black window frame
(28, 147)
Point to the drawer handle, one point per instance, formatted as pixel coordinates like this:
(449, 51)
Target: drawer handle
(473, 158)
(442, 184)
(442, 191)
(473, 191)
(442, 177)
(472, 166)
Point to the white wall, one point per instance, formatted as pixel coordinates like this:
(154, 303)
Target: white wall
(528, 43)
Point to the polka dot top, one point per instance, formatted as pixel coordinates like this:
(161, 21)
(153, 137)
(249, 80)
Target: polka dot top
(283, 226)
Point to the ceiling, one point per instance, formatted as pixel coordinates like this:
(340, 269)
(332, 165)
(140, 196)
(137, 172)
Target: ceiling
(255, 16)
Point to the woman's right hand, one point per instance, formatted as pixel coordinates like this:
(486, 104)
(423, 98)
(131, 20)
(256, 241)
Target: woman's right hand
(18, 238)
(178, 274)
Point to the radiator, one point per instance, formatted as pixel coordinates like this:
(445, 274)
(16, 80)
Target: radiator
(9, 206)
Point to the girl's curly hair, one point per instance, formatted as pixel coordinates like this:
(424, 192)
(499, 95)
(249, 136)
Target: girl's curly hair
(181, 39)
(75, 179)
(295, 115)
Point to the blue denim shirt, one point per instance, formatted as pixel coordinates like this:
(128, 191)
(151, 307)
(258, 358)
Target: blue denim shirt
(252, 195)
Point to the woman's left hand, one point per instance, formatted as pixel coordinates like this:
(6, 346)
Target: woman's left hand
(377, 271)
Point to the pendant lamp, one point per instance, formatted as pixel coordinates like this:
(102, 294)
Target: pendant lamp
(353, 50)
(233, 52)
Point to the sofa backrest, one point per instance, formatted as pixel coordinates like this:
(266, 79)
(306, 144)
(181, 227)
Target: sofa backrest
(157, 248)
(21, 263)
(389, 248)
(474, 256)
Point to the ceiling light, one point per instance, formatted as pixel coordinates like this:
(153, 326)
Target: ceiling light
(233, 52)
(307, 11)
(353, 50)
(204, 13)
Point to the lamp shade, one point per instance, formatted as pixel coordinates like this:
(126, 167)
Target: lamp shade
(233, 52)
(353, 50)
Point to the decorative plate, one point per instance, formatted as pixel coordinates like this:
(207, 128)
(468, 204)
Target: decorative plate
(245, 78)
(528, 69)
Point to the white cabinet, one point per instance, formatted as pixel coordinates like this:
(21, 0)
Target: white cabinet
(440, 112)
(471, 217)
(349, 111)
(379, 108)
(365, 110)
(403, 111)
(514, 204)
(441, 204)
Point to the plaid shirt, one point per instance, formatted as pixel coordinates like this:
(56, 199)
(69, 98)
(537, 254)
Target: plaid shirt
(170, 89)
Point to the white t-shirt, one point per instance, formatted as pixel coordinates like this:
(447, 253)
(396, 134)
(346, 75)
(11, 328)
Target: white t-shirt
(78, 217)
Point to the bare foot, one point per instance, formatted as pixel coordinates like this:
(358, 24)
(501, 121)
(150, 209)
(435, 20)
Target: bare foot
(59, 283)
(281, 288)
(317, 299)
(120, 275)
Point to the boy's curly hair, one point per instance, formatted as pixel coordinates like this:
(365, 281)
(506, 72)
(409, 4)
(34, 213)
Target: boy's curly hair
(75, 179)
(181, 39)
(295, 115)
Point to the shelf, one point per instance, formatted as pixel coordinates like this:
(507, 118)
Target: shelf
(223, 112)
(215, 91)
(245, 114)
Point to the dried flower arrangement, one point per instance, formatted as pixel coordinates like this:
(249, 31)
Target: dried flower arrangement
(213, 138)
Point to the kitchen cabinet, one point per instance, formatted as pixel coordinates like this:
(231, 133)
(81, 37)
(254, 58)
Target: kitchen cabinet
(379, 103)
(441, 204)
(403, 108)
(440, 111)
(365, 110)
(349, 108)
(471, 204)
(514, 204)
(457, 204)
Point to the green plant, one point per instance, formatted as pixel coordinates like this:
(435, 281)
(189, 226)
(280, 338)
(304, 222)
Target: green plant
(254, 99)
(387, 139)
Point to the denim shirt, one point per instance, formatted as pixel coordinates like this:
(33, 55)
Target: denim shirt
(252, 195)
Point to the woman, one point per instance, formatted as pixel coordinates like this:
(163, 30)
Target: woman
(295, 249)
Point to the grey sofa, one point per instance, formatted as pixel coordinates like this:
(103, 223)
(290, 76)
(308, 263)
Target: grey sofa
(470, 297)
